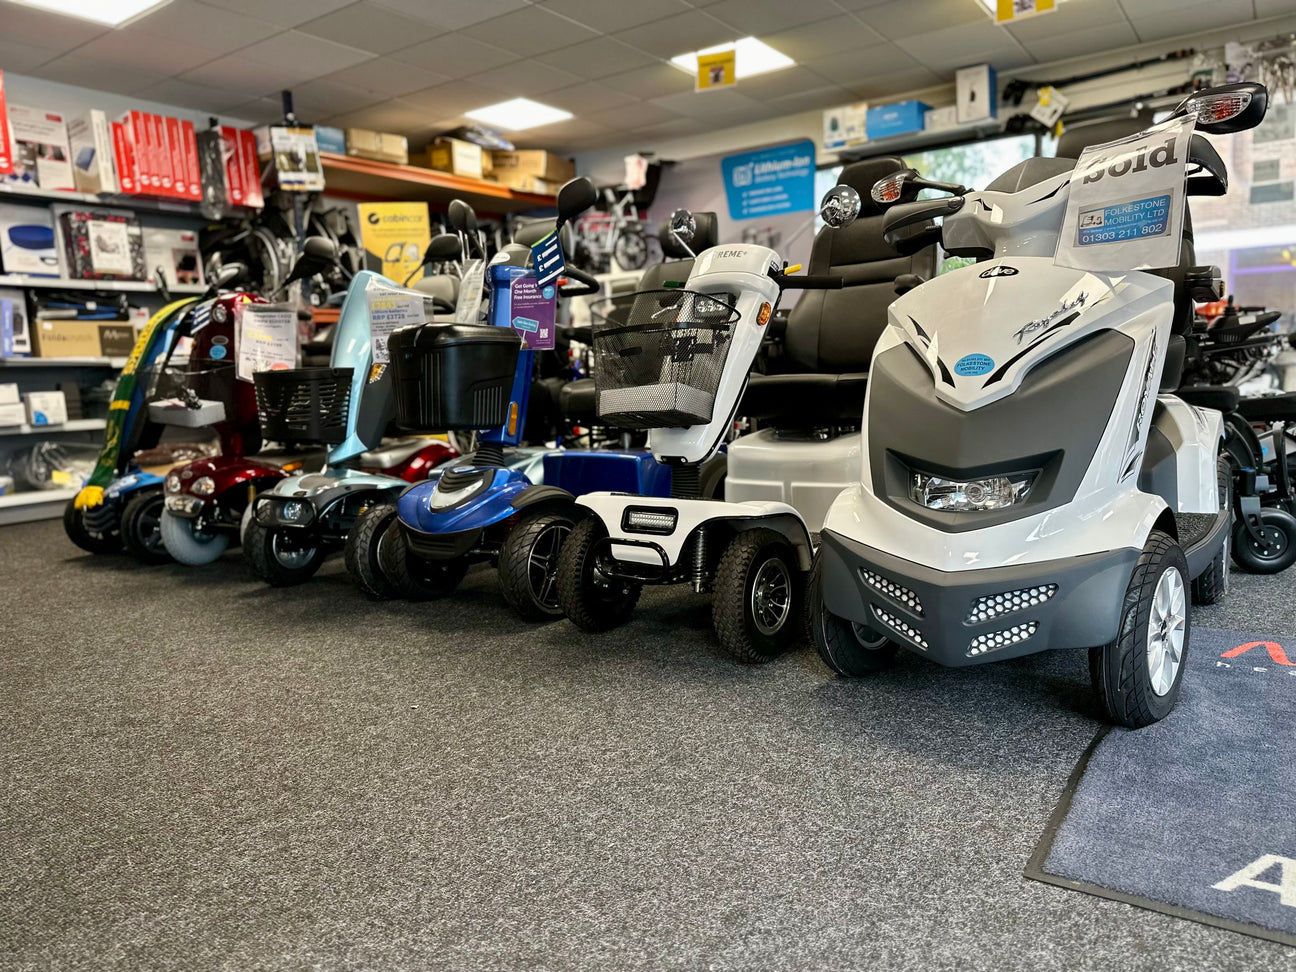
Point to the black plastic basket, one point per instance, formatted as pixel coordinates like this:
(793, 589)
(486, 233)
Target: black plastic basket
(453, 377)
(659, 356)
(304, 404)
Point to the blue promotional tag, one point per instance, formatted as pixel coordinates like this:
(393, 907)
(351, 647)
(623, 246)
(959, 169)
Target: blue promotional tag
(547, 259)
(1134, 220)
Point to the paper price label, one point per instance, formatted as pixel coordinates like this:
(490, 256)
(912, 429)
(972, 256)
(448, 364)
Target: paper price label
(468, 307)
(266, 338)
(390, 308)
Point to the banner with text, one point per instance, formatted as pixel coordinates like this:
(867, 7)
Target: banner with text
(770, 181)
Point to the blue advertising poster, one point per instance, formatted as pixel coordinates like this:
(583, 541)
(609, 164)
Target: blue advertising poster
(771, 181)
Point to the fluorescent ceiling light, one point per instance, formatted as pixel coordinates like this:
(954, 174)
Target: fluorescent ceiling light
(754, 57)
(114, 13)
(518, 114)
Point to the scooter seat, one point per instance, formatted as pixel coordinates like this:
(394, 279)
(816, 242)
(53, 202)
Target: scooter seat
(1223, 398)
(578, 400)
(1271, 408)
(391, 452)
(798, 401)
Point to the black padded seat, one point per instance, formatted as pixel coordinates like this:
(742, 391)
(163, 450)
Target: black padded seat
(833, 398)
(1271, 408)
(578, 401)
(1222, 398)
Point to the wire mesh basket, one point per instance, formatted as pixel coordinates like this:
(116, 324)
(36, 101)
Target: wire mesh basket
(304, 404)
(659, 356)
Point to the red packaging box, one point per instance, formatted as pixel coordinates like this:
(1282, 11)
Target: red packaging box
(233, 165)
(175, 152)
(124, 157)
(134, 126)
(161, 155)
(6, 151)
(189, 154)
(251, 170)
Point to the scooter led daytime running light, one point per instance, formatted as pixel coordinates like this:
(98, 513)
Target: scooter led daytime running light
(991, 493)
(294, 510)
(1218, 108)
(650, 521)
(203, 486)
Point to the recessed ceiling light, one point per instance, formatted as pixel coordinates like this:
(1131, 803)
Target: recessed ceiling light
(518, 114)
(754, 57)
(114, 13)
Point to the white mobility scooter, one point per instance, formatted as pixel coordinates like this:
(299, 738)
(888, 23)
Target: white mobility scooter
(1024, 485)
(676, 362)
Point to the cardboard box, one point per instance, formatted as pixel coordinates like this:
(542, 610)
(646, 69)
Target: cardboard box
(90, 141)
(117, 340)
(898, 118)
(330, 139)
(6, 336)
(382, 146)
(46, 407)
(214, 190)
(28, 243)
(526, 183)
(175, 153)
(161, 155)
(976, 93)
(9, 394)
(252, 195)
(533, 162)
(13, 414)
(940, 119)
(15, 337)
(456, 156)
(291, 156)
(189, 151)
(41, 156)
(6, 150)
(175, 251)
(124, 159)
(67, 339)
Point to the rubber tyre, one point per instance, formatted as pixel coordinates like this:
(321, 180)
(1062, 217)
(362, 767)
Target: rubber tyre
(141, 527)
(630, 250)
(362, 547)
(95, 543)
(1119, 670)
(410, 576)
(185, 545)
(591, 601)
(1211, 585)
(260, 551)
(752, 557)
(530, 587)
(838, 640)
(1281, 527)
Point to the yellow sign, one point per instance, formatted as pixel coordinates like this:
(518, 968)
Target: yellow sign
(395, 236)
(1008, 11)
(717, 70)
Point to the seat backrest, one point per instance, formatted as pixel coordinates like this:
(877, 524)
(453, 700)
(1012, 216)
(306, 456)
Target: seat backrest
(677, 266)
(835, 330)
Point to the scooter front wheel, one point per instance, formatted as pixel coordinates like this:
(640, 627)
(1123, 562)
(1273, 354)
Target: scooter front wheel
(1137, 677)
(412, 577)
(528, 564)
(187, 544)
(591, 599)
(141, 527)
(1276, 550)
(281, 557)
(756, 606)
(363, 548)
(91, 541)
(847, 647)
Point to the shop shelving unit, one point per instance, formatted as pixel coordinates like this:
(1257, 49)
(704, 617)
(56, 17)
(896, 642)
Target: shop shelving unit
(365, 179)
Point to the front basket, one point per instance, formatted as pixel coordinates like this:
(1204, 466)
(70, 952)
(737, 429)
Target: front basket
(453, 377)
(304, 404)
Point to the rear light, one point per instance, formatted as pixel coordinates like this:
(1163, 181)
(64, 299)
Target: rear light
(660, 522)
(973, 495)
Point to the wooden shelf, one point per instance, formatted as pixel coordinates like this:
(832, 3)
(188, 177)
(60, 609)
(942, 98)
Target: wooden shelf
(365, 179)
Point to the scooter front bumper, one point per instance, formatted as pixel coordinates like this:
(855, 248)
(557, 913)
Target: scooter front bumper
(970, 617)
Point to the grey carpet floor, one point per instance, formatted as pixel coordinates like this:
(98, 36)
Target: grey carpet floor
(199, 772)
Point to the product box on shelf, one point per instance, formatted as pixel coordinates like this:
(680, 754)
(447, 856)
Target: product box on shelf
(531, 162)
(124, 159)
(161, 154)
(210, 146)
(455, 156)
(59, 338)
(9, 394)
(380, 146)
(330, 139)
(132, 154)
(117, 340)
(189, 159)
(175, 252)
(175, 155)
(6, 150)
(898, 118)
(91, 144)
(46, 407)
(940, 119)
(101, 244)
(27, 241)
(15, 339)
(976, 93)
(12, 411)
(527, 183)
(40, 148)
(291, 156)
(250, 164)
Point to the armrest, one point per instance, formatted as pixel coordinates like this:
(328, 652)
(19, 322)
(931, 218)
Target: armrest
(1204, 283)
(907, 282)
(777, 327)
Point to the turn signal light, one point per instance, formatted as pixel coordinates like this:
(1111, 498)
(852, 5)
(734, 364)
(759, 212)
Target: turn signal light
(513, 417)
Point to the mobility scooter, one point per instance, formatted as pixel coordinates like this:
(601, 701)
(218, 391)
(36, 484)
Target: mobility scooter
(1023, 485)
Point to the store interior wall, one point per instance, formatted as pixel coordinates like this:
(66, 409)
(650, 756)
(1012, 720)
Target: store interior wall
(69, 99)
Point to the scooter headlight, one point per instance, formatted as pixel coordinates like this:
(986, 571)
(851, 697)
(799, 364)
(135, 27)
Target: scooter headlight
(641, 520)
(295, 511)
(203, 486)
(973, 495)
(172, 483)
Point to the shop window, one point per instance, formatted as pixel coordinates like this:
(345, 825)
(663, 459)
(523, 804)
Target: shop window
(1271, 192)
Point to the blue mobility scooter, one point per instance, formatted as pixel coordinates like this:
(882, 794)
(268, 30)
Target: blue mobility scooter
(470, 377)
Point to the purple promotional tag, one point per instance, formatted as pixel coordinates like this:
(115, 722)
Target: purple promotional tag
(533, 308)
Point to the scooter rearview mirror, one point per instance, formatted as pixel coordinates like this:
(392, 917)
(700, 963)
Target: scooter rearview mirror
(840, 206)
(320, 249)
(444, 247)
(462, 216)
(683, 227)
(227, 275)
(574, 198)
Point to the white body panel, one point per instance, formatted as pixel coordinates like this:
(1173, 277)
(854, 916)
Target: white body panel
(805, 473)
(1200, 431)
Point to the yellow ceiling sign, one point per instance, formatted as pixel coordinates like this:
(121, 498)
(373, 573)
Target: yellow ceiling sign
(1008, 11)
(717, 70)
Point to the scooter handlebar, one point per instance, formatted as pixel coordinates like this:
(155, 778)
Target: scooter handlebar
(589, 284)
(809, 282)
(909, 214)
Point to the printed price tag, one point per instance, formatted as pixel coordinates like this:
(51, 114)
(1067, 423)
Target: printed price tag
(265, 338)
(468, 307)
(547, 258)
(389, 309)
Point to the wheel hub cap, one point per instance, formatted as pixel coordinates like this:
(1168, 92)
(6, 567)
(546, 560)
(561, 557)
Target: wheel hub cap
(542, 563)
(290, 556)
(1166, 624)
(771, 597)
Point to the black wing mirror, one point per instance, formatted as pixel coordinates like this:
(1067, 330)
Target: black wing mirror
(1226, 109)
(574, 198)
(462, 216)
(318, 253)
(443, 248)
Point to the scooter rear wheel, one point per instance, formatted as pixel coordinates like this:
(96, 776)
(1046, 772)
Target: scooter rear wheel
(187, 545)
(528, 563)
(756, 606)
(591, 600)
(141, 527)
(279, 558)
(94, 542)
(847, 647)
(363, 547)
(1277, 549)
(412, 577)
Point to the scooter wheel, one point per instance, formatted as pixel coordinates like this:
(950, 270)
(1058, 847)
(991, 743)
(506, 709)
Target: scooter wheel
(756, 606)
(362, 549)
(91, 541)
(282, 558)
(187, 545)
(141, 527)
(592, 600)
(1277, 549)
(847, 647)
(1137, 677)
(1210, 586)
(528, 563)
(412, 577)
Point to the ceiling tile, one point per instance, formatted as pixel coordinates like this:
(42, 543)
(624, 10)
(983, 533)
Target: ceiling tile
(759, 17)
(260, 111)
(1058, 47)
(583, 98)
(453, 14)
(789, 81)
(186, 94)
(825, 97)
(1274, 8)
(1188, 20)
(850, 66)
(608, 16)
(371, 28)
(680, 34)
(101, 75)
(1068, 17)
(824, 37)
(650, 82)
(309, 56)
(894, 83)
(191, 22)
(22, 57)
(643, 114)
(454, 98)
(123, 47)
(32, 26)
(950, 48)
(858, 5)
(524, 78)
(323, 96)
(455, 55)
(381, 77)
(717, 105)
(531, 30)
(390, 116)
(285, 13)
(597, 58)
(239, 75)
(904, 18)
